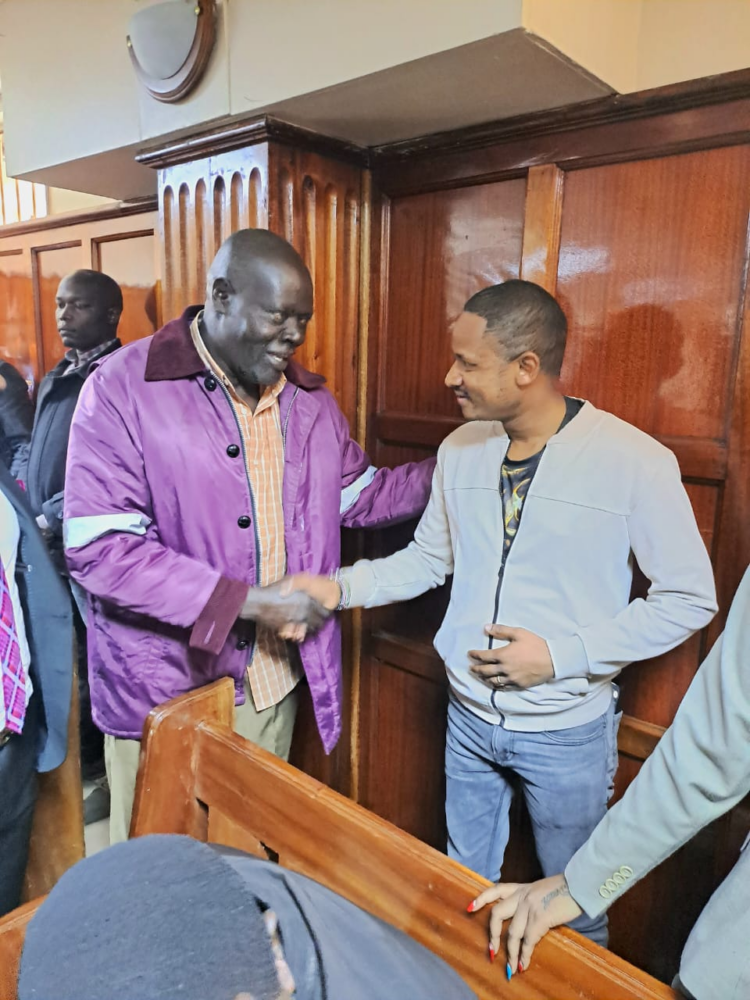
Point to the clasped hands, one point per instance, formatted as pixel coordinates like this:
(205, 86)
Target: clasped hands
(294, 606)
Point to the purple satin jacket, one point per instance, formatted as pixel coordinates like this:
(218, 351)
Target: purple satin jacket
(160, 527)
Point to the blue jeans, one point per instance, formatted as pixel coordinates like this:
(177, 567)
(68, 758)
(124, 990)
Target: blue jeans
(567, 779)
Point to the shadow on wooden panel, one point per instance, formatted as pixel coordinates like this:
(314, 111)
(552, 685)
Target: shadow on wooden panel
(650, 273)
(130, 258)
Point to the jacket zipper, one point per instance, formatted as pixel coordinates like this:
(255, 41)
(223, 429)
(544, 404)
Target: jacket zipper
(501, 571)
(288, 415)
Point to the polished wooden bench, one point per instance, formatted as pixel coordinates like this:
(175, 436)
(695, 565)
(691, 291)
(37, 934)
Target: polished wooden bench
(197, 777)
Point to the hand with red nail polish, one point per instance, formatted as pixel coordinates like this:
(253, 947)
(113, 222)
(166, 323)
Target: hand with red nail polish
(532, 910)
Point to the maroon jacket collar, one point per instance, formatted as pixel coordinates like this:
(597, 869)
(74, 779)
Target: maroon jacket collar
(172, 355)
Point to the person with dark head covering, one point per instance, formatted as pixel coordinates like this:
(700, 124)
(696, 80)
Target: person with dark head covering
(165, 916)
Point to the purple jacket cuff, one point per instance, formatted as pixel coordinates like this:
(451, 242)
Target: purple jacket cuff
(214, 623)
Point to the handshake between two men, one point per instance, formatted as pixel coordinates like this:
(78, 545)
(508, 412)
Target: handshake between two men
(300, 604)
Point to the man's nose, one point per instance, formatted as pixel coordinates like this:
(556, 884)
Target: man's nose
(294, 331)
(453, 378)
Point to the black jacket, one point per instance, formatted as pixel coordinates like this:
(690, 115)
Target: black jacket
(49, 629)
(45, 473)
(16, 419)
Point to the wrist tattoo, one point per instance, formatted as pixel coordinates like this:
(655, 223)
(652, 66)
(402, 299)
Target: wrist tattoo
(562, 891)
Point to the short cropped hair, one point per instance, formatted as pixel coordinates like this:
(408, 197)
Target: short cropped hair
(105, 288)
(522, 316)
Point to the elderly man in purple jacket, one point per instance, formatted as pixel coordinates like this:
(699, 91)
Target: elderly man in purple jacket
(203, 465)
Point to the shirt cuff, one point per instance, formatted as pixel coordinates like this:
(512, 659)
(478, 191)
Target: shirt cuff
(214, 623)
(582, 878)
(568, 657)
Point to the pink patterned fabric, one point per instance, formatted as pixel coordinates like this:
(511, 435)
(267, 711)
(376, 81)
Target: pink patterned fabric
(14, 675)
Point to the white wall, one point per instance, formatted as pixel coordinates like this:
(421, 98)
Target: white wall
(684, 40)
(60, 200)
(69, 90)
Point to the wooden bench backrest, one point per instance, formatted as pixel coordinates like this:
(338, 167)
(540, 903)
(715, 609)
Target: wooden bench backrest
(199, 778)
(12, 932)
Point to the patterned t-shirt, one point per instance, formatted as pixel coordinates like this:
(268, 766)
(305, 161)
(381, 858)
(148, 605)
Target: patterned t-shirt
(516, 477)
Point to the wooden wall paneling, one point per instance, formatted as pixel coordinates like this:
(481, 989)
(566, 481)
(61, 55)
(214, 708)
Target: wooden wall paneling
(132, 257)
(579, 137)
(201, 203)
(33, 258)
(18, 341)
(444, 246)
(541, 229)
(650, 274)
(315, 204)
(49, 265)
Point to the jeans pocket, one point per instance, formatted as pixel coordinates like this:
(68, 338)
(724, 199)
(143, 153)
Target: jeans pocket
(577, 736)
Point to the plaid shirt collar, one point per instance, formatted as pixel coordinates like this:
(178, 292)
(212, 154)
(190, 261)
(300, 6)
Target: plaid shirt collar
(82, 359)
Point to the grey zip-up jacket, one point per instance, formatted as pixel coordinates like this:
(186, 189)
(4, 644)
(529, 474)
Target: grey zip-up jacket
(699, 770)
(605, 494)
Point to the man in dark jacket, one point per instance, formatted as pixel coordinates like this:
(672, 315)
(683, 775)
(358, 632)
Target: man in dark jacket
(88, 311)
(16, 418)
(167, 916)
(43, 624)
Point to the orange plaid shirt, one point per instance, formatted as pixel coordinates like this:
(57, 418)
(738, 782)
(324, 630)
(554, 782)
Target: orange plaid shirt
(272, 671)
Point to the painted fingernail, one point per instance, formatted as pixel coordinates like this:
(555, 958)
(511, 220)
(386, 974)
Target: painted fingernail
(470, 907)
(520, 967)
(492, 954)
(508, 972)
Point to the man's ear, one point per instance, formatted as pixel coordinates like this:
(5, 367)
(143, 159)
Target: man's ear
(221, 293)
(528, 368)
(113, 316)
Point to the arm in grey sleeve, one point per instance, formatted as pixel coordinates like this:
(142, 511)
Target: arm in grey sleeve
(699, 770)
(665, 539)
(422, 565)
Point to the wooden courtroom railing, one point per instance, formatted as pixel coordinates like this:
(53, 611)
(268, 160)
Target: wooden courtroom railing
(197, 777)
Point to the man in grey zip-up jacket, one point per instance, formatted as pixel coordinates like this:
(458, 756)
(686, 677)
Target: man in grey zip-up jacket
(699, 770)
(540, 506)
